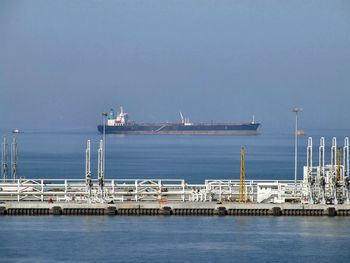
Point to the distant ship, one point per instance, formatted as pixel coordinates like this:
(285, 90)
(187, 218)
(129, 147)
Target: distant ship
(300, 133)
(15, 131)
(122, 125)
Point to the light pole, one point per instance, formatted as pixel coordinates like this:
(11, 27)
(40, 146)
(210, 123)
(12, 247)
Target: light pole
(104, 115)
(296, 110)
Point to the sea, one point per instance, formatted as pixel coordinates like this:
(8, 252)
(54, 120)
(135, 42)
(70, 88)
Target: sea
(202, 239)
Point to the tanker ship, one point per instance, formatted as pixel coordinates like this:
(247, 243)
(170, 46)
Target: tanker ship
(122, 125)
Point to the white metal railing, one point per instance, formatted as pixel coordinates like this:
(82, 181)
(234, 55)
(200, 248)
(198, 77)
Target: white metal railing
(119, 190)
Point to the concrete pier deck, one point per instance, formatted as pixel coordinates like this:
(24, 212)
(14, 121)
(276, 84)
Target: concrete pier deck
(126, 197)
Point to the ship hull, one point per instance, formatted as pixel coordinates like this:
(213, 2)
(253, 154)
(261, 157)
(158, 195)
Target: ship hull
(180, 129)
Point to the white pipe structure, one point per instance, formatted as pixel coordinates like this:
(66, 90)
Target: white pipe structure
(296, 110)
(320, 179)
(14, 158)
(331, 187)
(308, 179)
(139, 190)
(104, 116)
(334, 152)
(88, 181)
(327, 183)
(100, 171)
(321, 157)
(4, 160)
(346, 157)
(309, 153)
(346, 168)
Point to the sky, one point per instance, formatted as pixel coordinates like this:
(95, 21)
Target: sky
(64, 62)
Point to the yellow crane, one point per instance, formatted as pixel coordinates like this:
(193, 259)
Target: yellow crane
(242, 188)
(338, 164)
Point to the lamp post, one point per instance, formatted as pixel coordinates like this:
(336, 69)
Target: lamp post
(296, 110)
(104, 115)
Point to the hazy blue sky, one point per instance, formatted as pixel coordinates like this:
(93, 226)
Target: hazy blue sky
(64, 62)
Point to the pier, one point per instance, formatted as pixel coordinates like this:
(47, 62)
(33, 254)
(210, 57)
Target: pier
(324, 191)
(125, 197)
(169, 209)
(147, 190)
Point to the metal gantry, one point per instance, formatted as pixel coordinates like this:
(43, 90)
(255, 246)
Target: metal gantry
(137, 190)
(322, 184)
(4, 160)
(100, 167)
(88, 181)
(14, 158)
(327, 184)
(101, 190)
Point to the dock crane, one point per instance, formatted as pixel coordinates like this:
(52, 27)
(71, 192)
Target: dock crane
(242, 188)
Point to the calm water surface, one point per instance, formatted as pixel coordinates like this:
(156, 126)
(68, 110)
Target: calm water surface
(194, 158)
(174, 239)
(170, 239)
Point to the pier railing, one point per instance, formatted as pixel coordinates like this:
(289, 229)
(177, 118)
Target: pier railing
(158, 190)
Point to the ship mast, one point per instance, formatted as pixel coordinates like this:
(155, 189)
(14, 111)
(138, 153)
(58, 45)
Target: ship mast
(182, 118)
